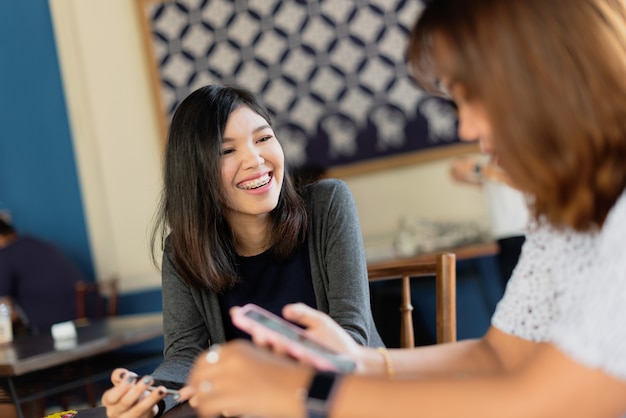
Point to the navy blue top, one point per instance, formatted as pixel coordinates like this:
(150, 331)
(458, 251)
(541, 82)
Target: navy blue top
(269, 284)
(40, 279)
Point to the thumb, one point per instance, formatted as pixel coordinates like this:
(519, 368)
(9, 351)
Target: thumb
(185, 393)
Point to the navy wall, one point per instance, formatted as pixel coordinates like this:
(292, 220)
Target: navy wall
(38, 178)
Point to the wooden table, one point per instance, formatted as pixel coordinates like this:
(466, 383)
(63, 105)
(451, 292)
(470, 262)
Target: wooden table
(36, 354)
(181, 411)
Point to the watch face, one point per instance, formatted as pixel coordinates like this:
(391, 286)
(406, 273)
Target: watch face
(322, 385)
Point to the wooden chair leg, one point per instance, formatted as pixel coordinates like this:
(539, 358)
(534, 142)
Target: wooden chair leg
(446, 298)
(90, 388)
(407, 338)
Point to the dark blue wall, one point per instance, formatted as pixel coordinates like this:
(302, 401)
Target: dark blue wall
(38, 178)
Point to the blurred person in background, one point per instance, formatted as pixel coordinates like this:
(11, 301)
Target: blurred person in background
(507, 208)
(38, 282)
(38, 279)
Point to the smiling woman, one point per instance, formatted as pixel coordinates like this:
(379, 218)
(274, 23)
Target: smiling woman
(252, 169)
(235, 231)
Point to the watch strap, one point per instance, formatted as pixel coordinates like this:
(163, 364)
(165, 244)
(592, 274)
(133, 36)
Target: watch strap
(321, 390)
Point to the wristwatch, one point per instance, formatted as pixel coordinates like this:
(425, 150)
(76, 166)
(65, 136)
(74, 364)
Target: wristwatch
(478, 172)
(477, 169)
(320, 394)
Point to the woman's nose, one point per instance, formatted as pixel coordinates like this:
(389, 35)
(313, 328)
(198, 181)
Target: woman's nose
(253, 158)
(466, 131)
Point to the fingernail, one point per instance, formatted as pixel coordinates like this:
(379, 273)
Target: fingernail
(130, 379)
(148, 380)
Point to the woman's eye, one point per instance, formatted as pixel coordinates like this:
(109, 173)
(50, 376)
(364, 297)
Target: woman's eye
(265, 138)
(227, 151)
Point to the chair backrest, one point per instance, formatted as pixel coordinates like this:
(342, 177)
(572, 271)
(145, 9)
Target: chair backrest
(443, 268)
(97, 299)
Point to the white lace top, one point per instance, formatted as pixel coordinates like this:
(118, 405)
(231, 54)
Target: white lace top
(569, 289)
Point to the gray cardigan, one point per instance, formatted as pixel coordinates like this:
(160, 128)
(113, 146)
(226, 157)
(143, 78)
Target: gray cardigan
(192, 319)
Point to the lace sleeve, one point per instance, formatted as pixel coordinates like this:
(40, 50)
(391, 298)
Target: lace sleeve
(591, 330)
(526, 310)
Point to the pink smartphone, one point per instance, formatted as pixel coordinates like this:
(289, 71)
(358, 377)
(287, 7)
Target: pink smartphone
(257, 321)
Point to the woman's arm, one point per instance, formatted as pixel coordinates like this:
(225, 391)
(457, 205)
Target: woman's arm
(494, 353)
(338, 263)
(184, 331)
(185, 336)
(547, 384)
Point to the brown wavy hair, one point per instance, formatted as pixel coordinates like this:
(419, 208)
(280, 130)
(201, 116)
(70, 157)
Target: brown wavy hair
(552, 77)
(193, 204)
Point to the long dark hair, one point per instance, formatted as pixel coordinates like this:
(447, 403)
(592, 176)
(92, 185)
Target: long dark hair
(551, 75)
(192, 208)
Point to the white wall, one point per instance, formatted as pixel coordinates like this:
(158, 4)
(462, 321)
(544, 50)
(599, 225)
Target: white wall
(118, 147)
(114, 131)
(420, 191)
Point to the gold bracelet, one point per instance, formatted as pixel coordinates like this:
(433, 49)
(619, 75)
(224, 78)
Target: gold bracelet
(391, 372)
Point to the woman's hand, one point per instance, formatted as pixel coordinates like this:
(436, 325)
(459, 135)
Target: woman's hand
(319, 326)
(323, 328)
(240, 379)
(463, 170)
(130, 398)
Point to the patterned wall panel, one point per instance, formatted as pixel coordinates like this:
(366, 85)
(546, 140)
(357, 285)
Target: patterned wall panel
(332, 72)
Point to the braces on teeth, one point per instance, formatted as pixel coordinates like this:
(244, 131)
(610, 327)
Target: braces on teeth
(261, 181)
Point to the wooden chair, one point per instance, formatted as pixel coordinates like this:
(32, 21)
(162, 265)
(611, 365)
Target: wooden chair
(97, 299)
(443, 268)
(94, 300)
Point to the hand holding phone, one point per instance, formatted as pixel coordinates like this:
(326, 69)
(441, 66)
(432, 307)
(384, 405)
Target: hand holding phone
(259, 322)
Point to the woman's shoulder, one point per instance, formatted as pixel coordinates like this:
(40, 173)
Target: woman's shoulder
(325, 194)
(325, 187)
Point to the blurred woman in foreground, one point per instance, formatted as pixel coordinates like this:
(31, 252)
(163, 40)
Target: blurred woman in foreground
(541, 84)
